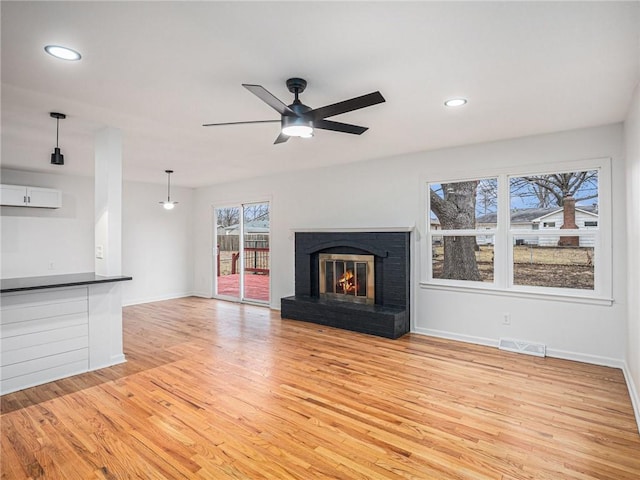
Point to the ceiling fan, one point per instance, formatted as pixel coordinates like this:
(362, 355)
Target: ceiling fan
(299, 120)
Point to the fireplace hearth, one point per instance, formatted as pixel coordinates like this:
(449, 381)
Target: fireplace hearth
(353, 280)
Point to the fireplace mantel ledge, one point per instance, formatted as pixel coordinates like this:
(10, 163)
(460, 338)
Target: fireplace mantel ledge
(349, 230)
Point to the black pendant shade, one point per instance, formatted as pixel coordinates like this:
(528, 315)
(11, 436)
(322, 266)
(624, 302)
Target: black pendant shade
(57, 158)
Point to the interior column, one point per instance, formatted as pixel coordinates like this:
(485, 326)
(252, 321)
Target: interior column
(105, 300)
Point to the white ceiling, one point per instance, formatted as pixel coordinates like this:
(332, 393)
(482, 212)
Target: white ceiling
(158, 70)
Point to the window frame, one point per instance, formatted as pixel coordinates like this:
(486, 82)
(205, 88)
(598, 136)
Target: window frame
(504, 236)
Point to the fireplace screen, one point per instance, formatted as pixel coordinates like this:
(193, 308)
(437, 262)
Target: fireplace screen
(347, 277)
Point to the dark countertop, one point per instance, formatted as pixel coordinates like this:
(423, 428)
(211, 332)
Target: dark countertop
(56, 281)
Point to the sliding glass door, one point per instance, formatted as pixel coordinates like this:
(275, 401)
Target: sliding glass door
(227, 245)
(242, 252)
(255, 217)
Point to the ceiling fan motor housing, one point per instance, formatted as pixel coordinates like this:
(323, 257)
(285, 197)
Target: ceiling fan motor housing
(296, 85)
(299, 120)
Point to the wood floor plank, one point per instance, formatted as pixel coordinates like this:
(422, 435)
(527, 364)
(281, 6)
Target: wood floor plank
(216, 390)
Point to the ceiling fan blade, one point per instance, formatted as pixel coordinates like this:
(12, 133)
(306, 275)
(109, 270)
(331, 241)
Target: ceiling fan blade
(268, 98)
(346, 106)
(238, 123)
(339, 127)
(281, 138)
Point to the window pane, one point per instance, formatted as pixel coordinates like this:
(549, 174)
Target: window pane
(349, 281)
(463, 258)
(329, 281)
(339, 286)
(256, 251)
(228, 251)
(556, 200)
(463, 205)
(361, 279)
(548, 263)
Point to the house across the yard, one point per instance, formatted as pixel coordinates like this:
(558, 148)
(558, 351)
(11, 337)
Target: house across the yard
(540, 219)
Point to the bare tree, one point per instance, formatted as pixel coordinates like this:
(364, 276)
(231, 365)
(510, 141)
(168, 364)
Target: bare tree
(228, 216)
(550, 190)
(487, 196)
(256, 211)
(253, 212)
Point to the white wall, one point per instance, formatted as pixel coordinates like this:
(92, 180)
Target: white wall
(632, 146)
(390, 194)
(39, 241)
(157, 244)
(157, 247)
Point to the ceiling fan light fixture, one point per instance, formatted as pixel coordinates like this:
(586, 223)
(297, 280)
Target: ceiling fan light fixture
(455, 102)
(63, 53)
(296, 127)
(168, 205)
(303, 131)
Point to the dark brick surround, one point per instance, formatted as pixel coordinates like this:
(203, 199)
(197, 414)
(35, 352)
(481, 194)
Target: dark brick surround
(389, 317)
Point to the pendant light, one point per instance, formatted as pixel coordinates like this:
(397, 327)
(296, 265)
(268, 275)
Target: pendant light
(56, 157)
(168, 204)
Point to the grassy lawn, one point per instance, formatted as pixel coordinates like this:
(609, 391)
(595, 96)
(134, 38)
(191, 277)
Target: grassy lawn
(566, 267)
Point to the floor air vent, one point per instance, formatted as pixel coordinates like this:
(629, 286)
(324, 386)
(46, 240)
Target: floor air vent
(520, 346)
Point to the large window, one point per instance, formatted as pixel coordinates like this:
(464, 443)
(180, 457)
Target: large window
(539, 232)
(465, 216)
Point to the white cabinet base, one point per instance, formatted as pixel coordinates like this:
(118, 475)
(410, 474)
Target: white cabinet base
(46, 335)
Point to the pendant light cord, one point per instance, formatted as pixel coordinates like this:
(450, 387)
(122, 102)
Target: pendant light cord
(168, 187)
(57, 130)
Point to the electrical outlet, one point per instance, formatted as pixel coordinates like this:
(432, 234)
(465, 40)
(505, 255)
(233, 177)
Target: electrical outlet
(506, 319)
(51, 266)
(99, 251)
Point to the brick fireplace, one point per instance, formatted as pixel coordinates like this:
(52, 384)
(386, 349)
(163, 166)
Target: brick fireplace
(353, 280)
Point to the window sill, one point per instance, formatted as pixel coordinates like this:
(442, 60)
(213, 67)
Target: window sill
(484, 290)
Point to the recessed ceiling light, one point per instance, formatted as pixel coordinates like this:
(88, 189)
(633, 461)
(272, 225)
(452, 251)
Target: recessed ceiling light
(455, 102)
(63, 53)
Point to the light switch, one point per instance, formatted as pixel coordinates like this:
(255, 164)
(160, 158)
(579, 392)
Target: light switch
(99, 251)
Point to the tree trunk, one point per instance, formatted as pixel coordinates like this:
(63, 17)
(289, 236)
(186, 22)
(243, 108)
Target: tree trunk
(457, 210)
(460, 259)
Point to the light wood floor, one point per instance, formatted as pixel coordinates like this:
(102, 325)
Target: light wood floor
(217, 390)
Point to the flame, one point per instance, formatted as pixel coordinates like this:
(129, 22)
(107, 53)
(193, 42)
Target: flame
(346, 283)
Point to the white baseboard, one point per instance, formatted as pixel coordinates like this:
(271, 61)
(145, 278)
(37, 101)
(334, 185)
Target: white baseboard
(201, 294)
(585, 358)
(633, 393)
(489, 342)
(138, 301)
(115, 360)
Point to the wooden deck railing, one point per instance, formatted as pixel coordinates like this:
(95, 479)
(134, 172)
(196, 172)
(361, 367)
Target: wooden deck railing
(256, 260)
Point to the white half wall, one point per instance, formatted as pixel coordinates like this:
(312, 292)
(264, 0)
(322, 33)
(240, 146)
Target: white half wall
(632, 151)
(42, 241)
(157, 244)
(389, 194)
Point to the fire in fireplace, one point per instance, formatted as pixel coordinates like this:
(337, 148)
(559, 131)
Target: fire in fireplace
(347, 277)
